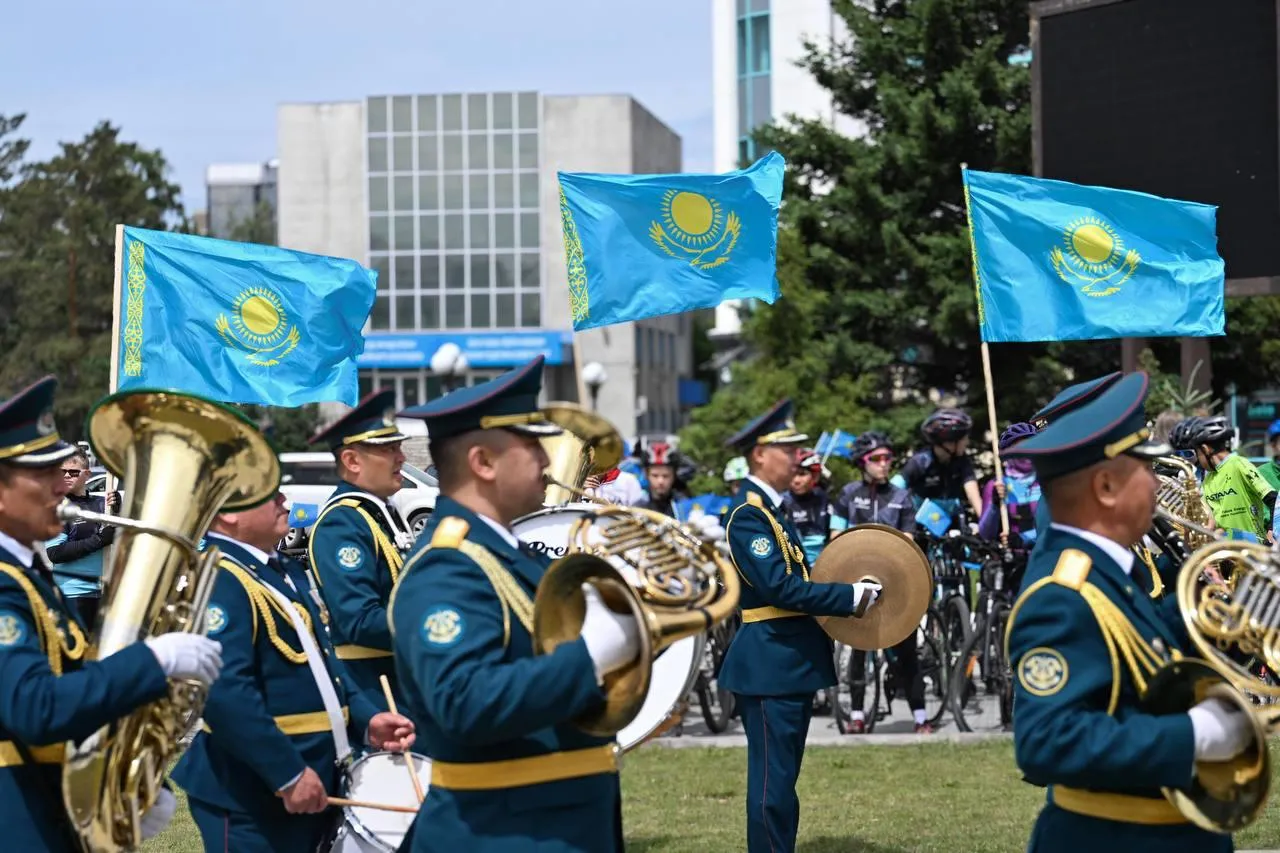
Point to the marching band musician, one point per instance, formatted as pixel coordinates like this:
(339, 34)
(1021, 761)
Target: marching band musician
(510, 772)
(357, 544)
(780, 656)
(49, 693)
(275, 733)
(1079, 727)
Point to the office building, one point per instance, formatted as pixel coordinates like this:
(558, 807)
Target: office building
(453, 200)
(236, 190)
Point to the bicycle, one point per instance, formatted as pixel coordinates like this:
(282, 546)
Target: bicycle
(718, 705)
(981, 684)
(880, 676)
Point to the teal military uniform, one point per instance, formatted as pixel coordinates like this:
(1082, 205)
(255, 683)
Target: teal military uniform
(50, 691)
(779, 657)
(1083, 640)
(353, 553)
(264, 722)
(510, 771)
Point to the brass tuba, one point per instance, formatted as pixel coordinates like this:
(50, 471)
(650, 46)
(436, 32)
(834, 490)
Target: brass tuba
(641, 562)
(182, 460)
(1182, 503)
(589, 445)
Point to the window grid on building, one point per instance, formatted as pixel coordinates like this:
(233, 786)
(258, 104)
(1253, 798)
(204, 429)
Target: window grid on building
(754, 65)
(414, 387)
(453, 200)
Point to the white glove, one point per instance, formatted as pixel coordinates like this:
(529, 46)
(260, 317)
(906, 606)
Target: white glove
(156, 818)
(1221, 730)
(707, 527)
(184, 655)
(863, 589)
(613, 639)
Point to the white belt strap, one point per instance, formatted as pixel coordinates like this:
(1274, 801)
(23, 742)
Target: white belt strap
(315, 660)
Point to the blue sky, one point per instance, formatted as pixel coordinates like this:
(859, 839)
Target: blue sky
(201, 81)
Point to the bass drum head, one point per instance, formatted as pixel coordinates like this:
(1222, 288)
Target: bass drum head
(380, 778)
(674, 673)
(548, 531)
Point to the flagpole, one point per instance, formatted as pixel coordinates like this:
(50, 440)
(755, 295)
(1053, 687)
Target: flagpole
(986, 365)
(831, 443)
(577, 370)
(115, 314)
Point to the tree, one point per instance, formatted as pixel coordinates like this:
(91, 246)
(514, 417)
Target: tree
(259, 227)
(57, 251)
(287, 429)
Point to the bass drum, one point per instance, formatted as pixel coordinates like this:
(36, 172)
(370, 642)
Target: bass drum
(380, 777)
(674, 671)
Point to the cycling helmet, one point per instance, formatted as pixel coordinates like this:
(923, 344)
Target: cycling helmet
(1014, 433)
(868, 442)
(809, 460)
(736, 469)
(1211, 430)
(1273, 430)
(946, 425)
(660, 453)
(1180, 435)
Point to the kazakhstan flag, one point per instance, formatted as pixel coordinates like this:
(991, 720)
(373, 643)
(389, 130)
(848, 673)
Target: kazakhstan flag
(239, 322)
(640, 246)
(1054, 261)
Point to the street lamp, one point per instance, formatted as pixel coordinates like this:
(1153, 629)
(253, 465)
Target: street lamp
(594, 375)
(449, 363)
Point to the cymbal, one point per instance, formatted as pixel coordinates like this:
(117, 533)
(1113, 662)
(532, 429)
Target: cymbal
(889, 557)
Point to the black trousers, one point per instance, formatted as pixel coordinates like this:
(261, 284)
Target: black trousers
(908, 664)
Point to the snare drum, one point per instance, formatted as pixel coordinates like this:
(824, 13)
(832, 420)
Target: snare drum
(674, 671)
(380, 777)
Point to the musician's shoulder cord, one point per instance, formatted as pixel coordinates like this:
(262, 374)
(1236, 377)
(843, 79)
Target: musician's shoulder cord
(778, 533)
(53, 641)
(387, 548)
(262, 603)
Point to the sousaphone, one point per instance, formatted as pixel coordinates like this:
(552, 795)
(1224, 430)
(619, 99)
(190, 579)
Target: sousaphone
(891, 558)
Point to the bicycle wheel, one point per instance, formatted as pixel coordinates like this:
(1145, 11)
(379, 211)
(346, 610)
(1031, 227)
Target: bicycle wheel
(957, 622)
(869, 680)
(717, 704)
(840, 707)
(980, 690)
(933, 669)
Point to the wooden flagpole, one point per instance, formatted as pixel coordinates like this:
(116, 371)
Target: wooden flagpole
(113, 383)
(577, 371)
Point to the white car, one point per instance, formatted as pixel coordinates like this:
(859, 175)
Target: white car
(308, 479)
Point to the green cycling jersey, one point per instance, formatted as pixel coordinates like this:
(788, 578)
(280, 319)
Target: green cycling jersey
(1270, 472)
(1237, 494)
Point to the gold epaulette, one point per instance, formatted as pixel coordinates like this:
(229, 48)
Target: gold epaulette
(755, 500)
(1072, 569)
(450, 532)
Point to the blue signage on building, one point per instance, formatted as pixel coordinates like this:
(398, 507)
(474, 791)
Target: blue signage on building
(496, 348)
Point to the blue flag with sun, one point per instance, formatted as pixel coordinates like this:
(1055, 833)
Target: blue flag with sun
(239, 322)
(1054, 261)
(640, 246)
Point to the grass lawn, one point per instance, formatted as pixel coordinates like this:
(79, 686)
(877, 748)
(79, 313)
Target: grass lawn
(876, 799)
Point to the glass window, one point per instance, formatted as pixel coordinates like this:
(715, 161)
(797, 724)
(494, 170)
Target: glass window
(381, 317)
(480, 272)
(478, 192)
(760, 44)
(504, 193)
(480, 318)
(477, 151)
(742, 46)
(429, 231)
(455, 311)
(528, 151)
(428, 153)
(529, 275)
(402, 147)
(379, 234)
(429, 306)
(377, 194)
(453, 153)
(744, 108)
(744, 151)
(454, 231)
(428, 192)
(529, 190)
(649, 347)
(402, 114)
(505, 310)
(760, 107)
(455, 272)
(479, 237)
(478, 112)
(404, 192)
(530, 309)
(365, 383)
(377, 154)
(405, 277)
(429, 272)
(529, 230)
(503, 158)
(504, 231)
(759, 5)
(453, 199)
(451, 107)
(377, 115)
(502, 111)
(426, 112)
(528, 111)
(403, 234)
(406, 312)
(504, 271)
(411, 397)
(381, 264)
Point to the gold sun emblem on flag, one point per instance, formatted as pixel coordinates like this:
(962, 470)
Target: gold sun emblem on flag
(1093, 256)
(259, 325)
(695, 228)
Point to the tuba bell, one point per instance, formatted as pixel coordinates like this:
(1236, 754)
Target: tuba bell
(588, 445)
(641, 562)
(182, 460)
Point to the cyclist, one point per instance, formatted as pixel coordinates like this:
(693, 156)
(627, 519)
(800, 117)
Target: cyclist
(808, 504)
(873, 499)
(735, 471)
(942, 471)
(1270, 471)
(660, 470)
(1238, 496)
(1020, 490)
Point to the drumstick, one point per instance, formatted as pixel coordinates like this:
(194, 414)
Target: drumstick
(361, 804)
(408, 759)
